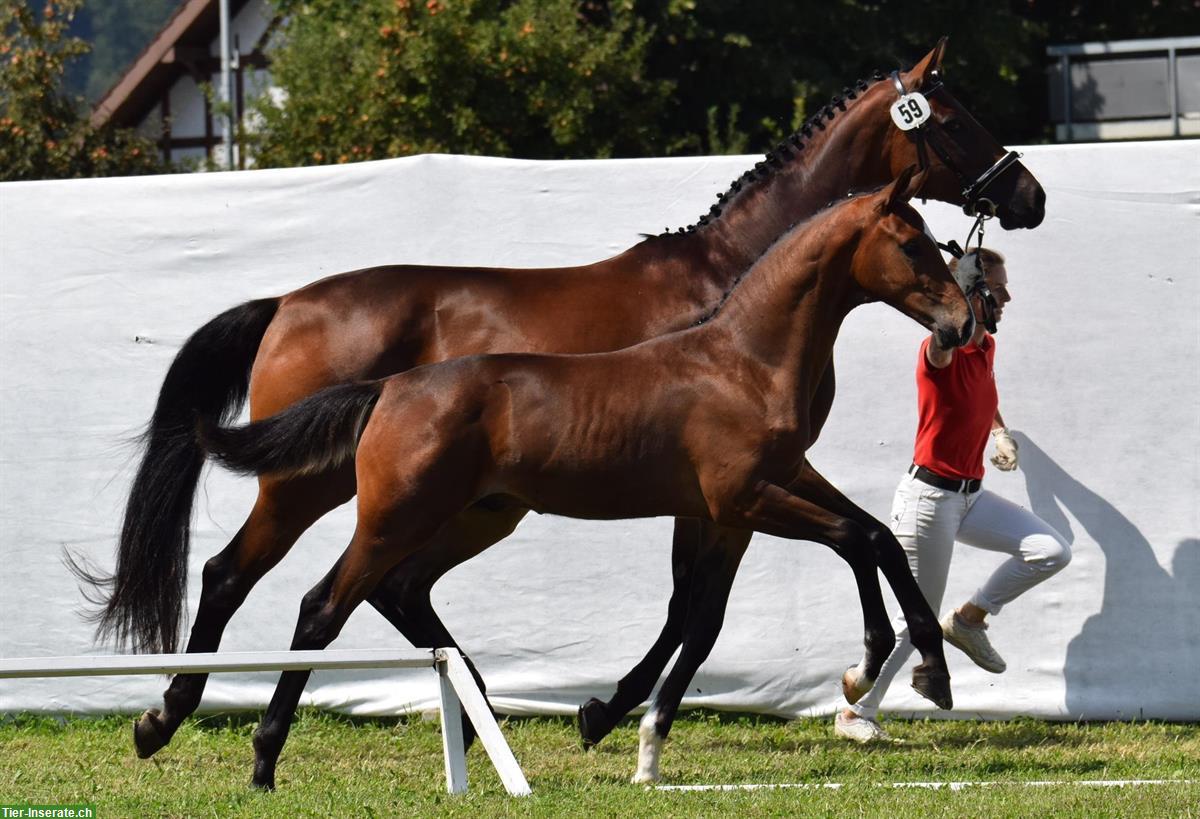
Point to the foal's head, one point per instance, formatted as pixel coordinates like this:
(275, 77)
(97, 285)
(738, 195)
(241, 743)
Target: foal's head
(898, 262)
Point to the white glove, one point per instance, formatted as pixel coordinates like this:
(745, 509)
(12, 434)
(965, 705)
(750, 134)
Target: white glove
(1005, 458)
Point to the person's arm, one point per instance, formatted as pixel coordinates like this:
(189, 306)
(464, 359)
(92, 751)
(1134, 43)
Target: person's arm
(998, 422)
(938, 357)
(1005, 458)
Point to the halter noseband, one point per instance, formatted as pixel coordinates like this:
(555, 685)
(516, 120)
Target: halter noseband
(972, 189)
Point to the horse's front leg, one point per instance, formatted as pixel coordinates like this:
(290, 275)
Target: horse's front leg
(719, 554)
(823, 515)
(596, 717)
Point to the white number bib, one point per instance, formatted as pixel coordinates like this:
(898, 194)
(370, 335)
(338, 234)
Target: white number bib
(911, 111)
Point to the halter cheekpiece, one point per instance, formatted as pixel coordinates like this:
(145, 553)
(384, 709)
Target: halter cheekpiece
(973, 189)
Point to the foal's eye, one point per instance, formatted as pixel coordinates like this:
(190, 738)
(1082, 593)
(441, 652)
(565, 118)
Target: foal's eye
(911, 248)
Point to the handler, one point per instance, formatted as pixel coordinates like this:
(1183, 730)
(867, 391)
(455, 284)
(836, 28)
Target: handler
(939, 499)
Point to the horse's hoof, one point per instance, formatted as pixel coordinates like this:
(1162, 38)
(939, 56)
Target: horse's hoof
(855, 687)
(641, 778)
(593, 722)
(149, 734)
(264, 776)
(933, 685)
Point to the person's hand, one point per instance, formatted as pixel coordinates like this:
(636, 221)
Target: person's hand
(1005, 458)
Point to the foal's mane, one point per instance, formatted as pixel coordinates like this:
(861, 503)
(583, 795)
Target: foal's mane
(776, 158)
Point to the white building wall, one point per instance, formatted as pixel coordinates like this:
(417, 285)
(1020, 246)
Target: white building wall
(187, 104)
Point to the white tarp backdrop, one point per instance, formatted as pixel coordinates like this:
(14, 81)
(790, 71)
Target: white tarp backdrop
(102, 280)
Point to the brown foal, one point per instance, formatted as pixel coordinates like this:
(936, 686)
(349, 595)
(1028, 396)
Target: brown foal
(710, 423)
(371, 323)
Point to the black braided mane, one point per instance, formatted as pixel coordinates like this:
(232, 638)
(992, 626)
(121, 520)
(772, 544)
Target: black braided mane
(780, 155)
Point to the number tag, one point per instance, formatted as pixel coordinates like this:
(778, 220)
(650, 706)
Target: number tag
(910, 111)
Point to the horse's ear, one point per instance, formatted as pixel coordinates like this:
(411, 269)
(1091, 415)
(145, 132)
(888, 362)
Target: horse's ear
(921, 75)
(897, 191)
(917, 183)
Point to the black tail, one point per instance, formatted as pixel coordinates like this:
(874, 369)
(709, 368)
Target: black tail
(142, 602)
(313, 435)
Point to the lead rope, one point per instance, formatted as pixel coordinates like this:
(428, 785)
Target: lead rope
(980, 218)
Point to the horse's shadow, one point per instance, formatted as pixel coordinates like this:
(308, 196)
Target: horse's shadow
(1139, 655)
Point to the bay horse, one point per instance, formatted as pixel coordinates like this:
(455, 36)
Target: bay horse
(709, 423)
(374, 322)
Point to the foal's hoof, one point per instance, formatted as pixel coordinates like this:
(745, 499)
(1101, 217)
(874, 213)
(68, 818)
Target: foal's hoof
(593, 722)
(854, 685)
(933, 685)
(267, 784)
(149, 733)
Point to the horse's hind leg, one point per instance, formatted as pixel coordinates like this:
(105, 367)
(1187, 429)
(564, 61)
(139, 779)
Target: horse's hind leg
(281, 514)
(374, 551)
(403, 595)
(720, 553)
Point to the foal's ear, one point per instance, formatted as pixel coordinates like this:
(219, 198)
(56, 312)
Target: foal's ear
(921, 75)
(898, 190)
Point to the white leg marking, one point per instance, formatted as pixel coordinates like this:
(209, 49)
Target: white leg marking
(649, 750)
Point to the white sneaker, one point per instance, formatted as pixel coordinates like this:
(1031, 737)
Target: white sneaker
(972, 641)
(859, 729)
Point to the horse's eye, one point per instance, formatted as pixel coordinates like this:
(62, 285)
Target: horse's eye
(952, 125)
(911, 248)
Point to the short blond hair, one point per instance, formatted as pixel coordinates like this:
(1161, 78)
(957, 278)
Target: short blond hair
(987, 258)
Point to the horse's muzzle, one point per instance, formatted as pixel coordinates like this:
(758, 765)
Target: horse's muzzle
(949, 337)
(1028, 212)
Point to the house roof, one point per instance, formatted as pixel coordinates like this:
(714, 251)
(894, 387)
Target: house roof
(175, 50)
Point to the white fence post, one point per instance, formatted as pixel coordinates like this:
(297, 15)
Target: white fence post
(453, 750)
(485, 724)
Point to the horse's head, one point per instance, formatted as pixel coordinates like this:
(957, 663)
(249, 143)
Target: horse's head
(967, 165)
(898, 262)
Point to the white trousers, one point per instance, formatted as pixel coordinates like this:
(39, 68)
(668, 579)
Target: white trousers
(927, 520)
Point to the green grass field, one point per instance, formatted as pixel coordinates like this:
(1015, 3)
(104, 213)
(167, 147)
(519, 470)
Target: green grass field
(340, 766)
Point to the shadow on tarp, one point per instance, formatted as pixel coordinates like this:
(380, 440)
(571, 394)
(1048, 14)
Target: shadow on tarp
(1139, 656)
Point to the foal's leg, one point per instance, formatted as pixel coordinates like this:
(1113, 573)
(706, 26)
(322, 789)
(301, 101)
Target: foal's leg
(597, 718)
(283, 511)
(812, 504)
(719, 555)
(323, 612)
(403, 595)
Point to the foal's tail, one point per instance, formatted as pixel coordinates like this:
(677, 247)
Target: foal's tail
(207, 383)
(314, 435)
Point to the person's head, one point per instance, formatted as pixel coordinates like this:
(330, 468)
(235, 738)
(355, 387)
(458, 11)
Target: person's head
(982, 266)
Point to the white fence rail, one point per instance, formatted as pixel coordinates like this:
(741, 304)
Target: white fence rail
(455, 680)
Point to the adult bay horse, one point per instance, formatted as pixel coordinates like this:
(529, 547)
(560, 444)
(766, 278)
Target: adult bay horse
(709, 423)
(378, 321)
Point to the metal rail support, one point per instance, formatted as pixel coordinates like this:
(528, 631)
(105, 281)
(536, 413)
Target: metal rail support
(455, 682)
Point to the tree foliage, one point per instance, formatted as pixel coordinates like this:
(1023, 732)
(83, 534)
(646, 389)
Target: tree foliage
(43, 134)
(535, 78)
(581, 78)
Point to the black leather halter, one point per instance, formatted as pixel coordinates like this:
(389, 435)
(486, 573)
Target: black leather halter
(973, 189)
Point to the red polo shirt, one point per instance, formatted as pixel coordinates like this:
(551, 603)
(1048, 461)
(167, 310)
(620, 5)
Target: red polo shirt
(955, 409)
